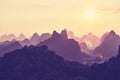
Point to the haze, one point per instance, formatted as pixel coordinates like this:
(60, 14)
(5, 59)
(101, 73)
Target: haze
(80, 16)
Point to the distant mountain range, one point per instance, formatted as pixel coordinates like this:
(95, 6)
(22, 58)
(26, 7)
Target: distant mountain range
(12, 43)
(34, 39)
(86, 48)
(91, 40)
(11, 37)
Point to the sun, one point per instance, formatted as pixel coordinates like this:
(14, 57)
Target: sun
(90, 13)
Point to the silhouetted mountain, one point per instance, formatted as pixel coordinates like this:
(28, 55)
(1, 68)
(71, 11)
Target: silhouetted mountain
(25, 42)
(83, 43)
(11, 37)
(9, 46)
(21, 37)
(67, 48)
(4, 43)
(3, 38)
(70, 35)
(7, 37)
(92, 58)
(64, 34)
(84, 48)
(91, 40)
(103, 37)
(109, 46)
(39, 63)
(34, 39)
(115, 60)
(44, 37)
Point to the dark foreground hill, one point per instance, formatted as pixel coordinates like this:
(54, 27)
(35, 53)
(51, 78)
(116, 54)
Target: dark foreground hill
(39, 63)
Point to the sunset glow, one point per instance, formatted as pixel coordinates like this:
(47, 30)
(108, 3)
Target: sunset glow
(82, 17)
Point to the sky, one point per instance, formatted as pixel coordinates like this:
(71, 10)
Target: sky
(79, 16)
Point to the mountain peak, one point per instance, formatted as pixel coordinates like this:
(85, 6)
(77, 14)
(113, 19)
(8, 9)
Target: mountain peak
(55, 34)
(36, 34)
(64, 34)
(112, 35)
(70, 34)
(11, 37)
(34, 39)
(45, 34)
(112, 32)
(21, 37)
(44, 37)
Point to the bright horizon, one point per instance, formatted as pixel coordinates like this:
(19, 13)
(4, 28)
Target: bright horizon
(81, 17)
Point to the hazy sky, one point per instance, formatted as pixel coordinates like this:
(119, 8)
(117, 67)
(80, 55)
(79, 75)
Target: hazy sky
(80, 16)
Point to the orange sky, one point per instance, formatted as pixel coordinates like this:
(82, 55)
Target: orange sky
(80, 16)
